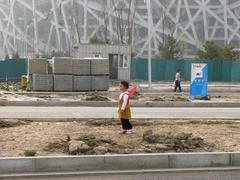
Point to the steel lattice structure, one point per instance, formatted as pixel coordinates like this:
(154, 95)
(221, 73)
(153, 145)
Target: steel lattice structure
(40, 26)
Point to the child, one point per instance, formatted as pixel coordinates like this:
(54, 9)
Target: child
(124, 111)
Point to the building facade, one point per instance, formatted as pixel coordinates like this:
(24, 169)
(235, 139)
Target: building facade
(32, 27)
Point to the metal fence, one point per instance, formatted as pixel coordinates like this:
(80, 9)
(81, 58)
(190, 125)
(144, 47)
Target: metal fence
(164, 70)
(12, 70)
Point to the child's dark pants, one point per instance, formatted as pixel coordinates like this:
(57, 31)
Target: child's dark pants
(126, 124)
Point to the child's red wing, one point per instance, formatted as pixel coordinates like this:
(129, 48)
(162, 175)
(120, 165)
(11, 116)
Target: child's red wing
(133, 90)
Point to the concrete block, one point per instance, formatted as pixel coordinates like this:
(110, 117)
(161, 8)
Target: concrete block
(100, 83)
(62, 65)
(16, 165)
(198, 160)
(37, 66)
(100, 66)
(82, 83)
(42, 82)
(74, 163)
(141, 161)
(81, 66)
(63, 82)
(235, 159)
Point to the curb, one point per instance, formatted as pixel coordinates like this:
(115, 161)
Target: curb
(118, 162)
(114, 104)
(112, 173)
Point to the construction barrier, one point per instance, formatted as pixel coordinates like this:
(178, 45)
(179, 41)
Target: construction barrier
(164, 70)
(13, 69)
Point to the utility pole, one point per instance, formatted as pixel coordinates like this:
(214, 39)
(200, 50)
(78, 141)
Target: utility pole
(35, 28)
(149, 43)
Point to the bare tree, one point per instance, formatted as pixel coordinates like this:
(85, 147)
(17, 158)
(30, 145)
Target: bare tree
(76, 20)
(125, 14)
(105, 22)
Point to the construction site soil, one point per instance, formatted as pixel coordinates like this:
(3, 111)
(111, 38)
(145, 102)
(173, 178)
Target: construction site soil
(21, 138)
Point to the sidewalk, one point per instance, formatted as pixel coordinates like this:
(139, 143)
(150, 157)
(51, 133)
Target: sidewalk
(85, 113)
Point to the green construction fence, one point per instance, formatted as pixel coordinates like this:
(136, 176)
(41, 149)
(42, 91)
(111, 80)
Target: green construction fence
(12, 69)
(164, 70)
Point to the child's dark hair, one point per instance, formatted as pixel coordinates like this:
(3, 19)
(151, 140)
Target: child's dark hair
(125, 84)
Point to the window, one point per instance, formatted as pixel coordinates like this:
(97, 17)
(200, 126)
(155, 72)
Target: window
(123, 61)
(115, 61)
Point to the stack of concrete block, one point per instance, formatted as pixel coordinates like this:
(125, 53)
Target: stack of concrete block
(82, 83)
(88, 74)
(42, 82)
(100, 83)
(81, 66)
(62, 65)
(62, 73)
(100, 66)
(37, 66)
(63, 82)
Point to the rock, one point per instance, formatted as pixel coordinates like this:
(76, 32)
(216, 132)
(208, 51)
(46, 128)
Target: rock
(89, 139)
(100, 150)
(76, 147)
(148, 150)
(141, 150)
(149, 137)
(127, 151)
(161, 147)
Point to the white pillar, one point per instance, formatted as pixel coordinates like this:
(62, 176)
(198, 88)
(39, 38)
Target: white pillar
(149, 44)
(35, 27)
(85, 22)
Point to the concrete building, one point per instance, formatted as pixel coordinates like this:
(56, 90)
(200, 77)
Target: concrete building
(119, 57)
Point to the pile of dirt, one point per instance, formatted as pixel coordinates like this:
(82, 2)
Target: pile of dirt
(183, 142)
(12, 123)
(171, 98)
(58, 146)
(30, 153)
(89, 144)
(9, 86)
(96, 97)
(84, 145)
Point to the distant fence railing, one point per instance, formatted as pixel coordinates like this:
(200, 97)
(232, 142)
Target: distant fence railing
(13, 69)
(164, 70)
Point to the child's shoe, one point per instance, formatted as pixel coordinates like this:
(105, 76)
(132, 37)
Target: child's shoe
(129, 132)
(123, 132)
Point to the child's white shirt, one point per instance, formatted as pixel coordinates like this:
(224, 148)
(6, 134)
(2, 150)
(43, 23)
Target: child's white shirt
(124, 95)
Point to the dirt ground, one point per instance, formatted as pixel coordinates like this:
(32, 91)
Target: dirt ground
(12, 92)
(111, 96)
(51, 138)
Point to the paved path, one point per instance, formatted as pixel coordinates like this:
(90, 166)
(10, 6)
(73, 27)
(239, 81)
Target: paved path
(235, 175)
(70, 113)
